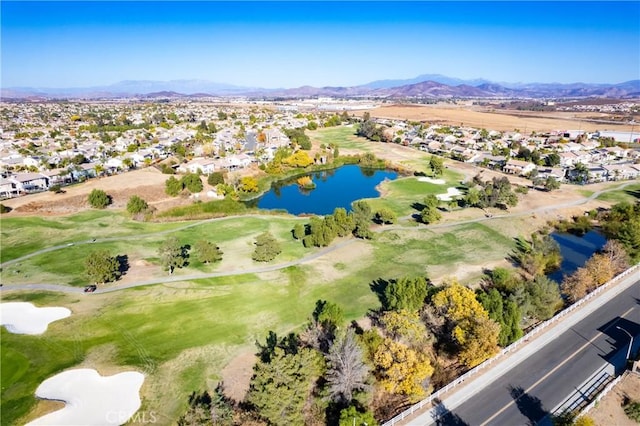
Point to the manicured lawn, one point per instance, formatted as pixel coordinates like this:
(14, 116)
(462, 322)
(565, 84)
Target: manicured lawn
(235, 236)
(24, 235)
(399, 195)
(343, 136)
(630, 194)
(201, 324)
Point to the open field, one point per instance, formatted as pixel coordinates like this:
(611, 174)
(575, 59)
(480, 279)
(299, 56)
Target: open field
(183, 335)
(459, 115)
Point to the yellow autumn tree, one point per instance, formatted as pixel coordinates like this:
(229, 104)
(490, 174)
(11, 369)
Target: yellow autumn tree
(402, 370)
(299, 159)
(405, 326)
(473, 330)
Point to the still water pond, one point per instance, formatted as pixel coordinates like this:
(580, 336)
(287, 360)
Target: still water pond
(334, 188)
(575, 251)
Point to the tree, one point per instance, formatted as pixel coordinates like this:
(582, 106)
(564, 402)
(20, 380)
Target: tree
(207, 252)
(98, 199)
(385, 215)
(173, 186)
(192, 182)
(552, 159)
(405, 293)
(504, 312)
(347, 372)
(351, 416)
(299, 231)
(101, 267)
(172, 254)
(136, 205)
(437, 165)
(405, 327)
(215, 178)
(632, 410)
(280, 388)
(402, 370)
(538, 299)
(361, 213)
(478, 338)
(267, 248)
(248, 184)
(430, 215)
(205, 409)
(551, 183)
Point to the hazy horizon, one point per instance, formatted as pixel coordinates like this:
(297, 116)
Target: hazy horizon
(293, 44)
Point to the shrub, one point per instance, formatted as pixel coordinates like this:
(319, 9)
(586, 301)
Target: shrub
(99, 199)
(192, 182)
(215, 178)
(632, 410)
(4, 209)
(136, 205)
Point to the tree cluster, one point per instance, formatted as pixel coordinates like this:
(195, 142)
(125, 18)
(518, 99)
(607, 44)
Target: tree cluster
(369, 129)
(298, 137)
(538, 255)
(492, 193)
(622, 223)
(267, 248)
(190, 181)
(320, 232)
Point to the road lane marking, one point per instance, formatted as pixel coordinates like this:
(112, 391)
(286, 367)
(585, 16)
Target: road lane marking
(526, 391)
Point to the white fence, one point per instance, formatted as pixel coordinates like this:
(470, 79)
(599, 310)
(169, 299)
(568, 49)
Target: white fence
(524, 339)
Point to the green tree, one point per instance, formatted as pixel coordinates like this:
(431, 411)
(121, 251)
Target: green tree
(98, 199)
(207, 252)
(329, 314)
(351, 416)
(101, 267)
(299, 231)
(267, 248)
(406, 293)
(173, 186)
(172, 254)
(361, 213)
(437, 165)
(205, 409)
(551, 183)
(632, 410)
(430, 215)
(280, 388)
(215, 178)
(136, 205)
(385, 215)
(192, 182)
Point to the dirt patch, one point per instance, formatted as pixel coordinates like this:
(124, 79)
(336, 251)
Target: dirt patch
(147, 183)
(459, 115)
(236, 375)
(609, 410)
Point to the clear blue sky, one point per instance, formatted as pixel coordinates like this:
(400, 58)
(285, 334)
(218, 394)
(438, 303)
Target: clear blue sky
(289, 44)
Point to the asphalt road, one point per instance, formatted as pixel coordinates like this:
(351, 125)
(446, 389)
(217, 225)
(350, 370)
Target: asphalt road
(531, 390)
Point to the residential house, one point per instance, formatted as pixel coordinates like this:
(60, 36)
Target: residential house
(518, 167)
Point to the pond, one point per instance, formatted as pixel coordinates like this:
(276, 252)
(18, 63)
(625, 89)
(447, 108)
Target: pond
(334, 188)
(575, 251)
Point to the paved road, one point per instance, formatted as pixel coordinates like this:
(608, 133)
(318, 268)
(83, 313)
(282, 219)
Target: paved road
(559, 370)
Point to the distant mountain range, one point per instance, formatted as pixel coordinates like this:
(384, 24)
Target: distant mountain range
(424, 86)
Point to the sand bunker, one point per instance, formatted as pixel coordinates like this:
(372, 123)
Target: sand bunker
(25, 318)
(451, 192)
(91, 399)
(431, 180)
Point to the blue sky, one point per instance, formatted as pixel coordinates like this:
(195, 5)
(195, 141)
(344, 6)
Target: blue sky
(290, 44)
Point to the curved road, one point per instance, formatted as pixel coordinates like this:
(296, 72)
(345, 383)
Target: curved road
(268, 268)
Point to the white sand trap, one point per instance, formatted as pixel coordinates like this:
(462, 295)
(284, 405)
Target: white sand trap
(451, 192)
(431, 180)
(91, 399)
(25, 318)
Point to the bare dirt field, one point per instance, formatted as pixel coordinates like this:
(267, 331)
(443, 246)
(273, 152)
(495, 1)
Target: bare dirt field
(492, 120)
(609, 410)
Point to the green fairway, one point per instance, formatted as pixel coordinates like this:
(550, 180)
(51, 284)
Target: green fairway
(235, 236)
(201, 323)
(629, 194)
(343, 136)
(402, 194)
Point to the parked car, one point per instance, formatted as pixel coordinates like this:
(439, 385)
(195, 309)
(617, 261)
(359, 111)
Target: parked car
(90, 288)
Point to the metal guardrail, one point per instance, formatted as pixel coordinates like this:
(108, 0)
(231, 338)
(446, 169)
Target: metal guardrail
(524, 339)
